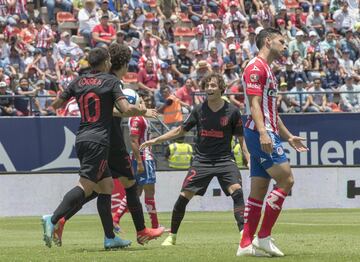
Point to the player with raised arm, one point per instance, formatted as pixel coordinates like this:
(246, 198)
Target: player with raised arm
(119, 161)
(96, 94)
(262, 133)
(217, 121)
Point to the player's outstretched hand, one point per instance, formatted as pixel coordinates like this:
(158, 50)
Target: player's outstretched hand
(151, 113)
(295, 142)
(147, 144)
(266, 143)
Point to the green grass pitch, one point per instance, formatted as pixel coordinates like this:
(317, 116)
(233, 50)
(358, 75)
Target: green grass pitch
(303, 235)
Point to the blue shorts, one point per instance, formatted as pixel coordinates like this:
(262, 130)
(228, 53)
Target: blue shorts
(148, 176)
(259, 160)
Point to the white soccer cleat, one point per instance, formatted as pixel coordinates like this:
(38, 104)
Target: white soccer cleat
(170, 240)
(250, 251)
(267, 245)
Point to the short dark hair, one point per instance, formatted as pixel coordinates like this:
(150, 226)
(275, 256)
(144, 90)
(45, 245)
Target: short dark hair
(97, 56)
(38, 20)
(120, 55)
(263, 34)
(23, 78)
(220, 79)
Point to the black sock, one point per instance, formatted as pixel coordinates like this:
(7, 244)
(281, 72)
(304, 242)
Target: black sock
(135, 207)
(104, 210)
(178, 213)
(71, 200)
(239, 206)
(70, 214)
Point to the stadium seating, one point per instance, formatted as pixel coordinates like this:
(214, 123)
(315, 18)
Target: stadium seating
(130, 78)
(151, 3)
(183, 34)
(65, 17)
(184, 20)
(80, 40)
(291, 4)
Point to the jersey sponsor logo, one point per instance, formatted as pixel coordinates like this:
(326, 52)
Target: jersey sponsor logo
(253, 85)
(255, 68)
(90, 81)
(272, 92)
(212, 133)
(224, 121)
(280, 150)
(254, 77)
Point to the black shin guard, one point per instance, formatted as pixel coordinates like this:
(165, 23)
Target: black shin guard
(104, 210)
(178, 213)
(71, 200)
(239, 206)
(135, 207)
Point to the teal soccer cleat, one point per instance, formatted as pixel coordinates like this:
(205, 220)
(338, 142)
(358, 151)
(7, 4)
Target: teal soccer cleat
(48, 228)
(116, 242)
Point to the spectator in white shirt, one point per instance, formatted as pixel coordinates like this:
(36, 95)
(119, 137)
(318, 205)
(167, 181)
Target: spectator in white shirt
(88, 19)
(343, 18)
(66, 46)
(249, 46)
(165, 52)
(218, 43)
(350, 102)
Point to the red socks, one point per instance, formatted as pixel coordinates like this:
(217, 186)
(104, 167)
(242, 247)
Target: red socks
(274, 204)
(252, 215)
(122, 209)
(151, 209)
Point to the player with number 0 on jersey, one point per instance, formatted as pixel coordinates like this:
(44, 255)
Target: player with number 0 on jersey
(262, 133)
(96, 94)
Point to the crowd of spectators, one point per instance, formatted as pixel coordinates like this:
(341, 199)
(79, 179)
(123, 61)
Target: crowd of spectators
(174, 44)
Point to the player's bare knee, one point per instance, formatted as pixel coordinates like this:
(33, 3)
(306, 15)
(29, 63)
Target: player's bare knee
(149, 190)
(187, 194)
(127, 182)
(290, 181)
(106, 186)
(233, 188)
(86, 185)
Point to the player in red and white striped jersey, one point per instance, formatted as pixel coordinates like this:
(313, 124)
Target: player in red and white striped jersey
(143, 164)
(260, 81)
(263, 133)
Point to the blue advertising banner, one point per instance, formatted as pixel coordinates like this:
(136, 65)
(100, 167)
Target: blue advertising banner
(47, 143)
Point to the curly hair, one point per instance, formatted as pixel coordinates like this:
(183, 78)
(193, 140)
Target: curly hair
(120, 55)
(207, 78)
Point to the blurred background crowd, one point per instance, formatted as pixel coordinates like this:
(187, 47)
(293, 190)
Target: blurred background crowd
(44, 45)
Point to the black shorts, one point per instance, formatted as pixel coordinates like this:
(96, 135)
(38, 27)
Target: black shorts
(200, 174)
(93, 160)
(120, 164)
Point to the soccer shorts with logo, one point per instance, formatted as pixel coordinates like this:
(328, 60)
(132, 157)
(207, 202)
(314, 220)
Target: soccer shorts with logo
(148, 176)
(259, 160)
(200, 174)
(93, 159)
(120, 164)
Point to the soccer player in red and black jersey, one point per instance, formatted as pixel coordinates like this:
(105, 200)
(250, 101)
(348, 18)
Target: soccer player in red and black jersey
(263, 133)
(217, 121)
(119, 160)
(96, 94)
